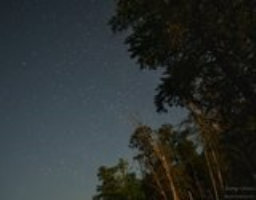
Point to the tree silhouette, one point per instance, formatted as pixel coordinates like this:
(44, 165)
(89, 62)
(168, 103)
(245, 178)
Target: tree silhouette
(206, 50)
(118, 183)
(172, 166)
(205, 47)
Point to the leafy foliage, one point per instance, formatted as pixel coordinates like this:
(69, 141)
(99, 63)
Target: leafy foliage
(117, 183)
(206, 48)
(173, 166)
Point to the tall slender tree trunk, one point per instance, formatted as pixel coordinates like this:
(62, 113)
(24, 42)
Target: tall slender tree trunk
(167, 170)
(171, 181)
(219, 172)
(161, 190)
(214, 184)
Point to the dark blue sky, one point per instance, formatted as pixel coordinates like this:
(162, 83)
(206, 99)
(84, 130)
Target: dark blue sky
(68, 96)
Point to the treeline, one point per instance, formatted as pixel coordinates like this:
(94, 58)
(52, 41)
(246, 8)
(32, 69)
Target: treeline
(206, 50)
(181, 164)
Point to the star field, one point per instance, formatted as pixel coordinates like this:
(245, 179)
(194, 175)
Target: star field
(69, 94)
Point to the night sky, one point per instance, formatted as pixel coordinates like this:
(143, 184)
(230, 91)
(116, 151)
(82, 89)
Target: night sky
(69, 96)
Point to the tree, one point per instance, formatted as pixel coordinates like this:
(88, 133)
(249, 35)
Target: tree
(172, 166)
(206, 48)
(156, 156)
(117, 183)
(241, 152)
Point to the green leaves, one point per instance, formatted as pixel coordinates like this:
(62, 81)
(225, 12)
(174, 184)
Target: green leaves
(118, 183)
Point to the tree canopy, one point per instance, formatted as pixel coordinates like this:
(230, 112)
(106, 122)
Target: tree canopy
(118, 183)
(174, 168)
(206, 48)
